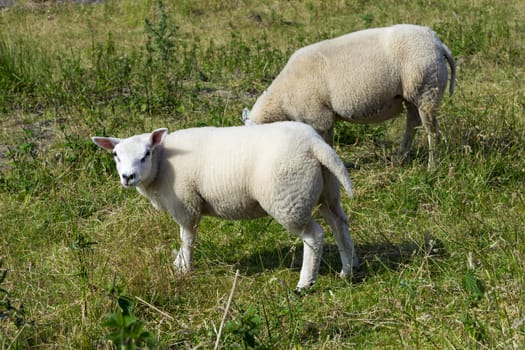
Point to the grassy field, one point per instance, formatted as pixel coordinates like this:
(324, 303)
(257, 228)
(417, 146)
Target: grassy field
(86, 264)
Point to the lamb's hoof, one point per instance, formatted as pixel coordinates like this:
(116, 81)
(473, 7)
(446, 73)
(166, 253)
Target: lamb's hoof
(180, 266)
(303, 290)
(181, 269)
(345, 274)
(300, 292)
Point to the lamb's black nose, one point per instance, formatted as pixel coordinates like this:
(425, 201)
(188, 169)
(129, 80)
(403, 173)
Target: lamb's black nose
(126, 179)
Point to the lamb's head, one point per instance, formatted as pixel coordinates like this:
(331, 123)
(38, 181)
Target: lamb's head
(133, 156)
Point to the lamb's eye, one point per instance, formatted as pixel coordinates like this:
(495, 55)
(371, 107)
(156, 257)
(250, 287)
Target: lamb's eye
(115, 155)
(143, 159)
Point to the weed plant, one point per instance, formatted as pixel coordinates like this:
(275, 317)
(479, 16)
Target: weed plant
(442, 252)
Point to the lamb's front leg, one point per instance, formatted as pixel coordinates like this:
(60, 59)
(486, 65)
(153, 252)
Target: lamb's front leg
(184, 256)
(313, 237)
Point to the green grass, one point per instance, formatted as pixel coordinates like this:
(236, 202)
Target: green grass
(442, 252)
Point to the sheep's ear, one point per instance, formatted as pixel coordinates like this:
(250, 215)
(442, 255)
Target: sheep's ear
(107, 143)
(157, 137)
(245, 114)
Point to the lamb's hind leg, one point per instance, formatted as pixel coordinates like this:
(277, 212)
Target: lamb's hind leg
(333, 213)
(312, 237)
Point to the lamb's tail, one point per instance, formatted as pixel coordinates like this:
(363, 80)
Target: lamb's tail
(450, 59)
(330, 160)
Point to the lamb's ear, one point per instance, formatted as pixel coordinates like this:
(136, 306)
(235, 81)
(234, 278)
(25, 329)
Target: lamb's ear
(157, 137)
(107, 143)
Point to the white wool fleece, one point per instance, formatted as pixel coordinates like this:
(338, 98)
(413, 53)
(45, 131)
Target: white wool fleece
(279, 169)
(363, 77)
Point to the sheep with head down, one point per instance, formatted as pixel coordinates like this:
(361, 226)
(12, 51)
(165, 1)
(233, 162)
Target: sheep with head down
(278, 169)
(363, 77)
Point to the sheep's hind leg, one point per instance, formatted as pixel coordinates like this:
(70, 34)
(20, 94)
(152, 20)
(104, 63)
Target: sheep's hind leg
(312, 236)
(184, 256)
(430, 123)
(413, 121)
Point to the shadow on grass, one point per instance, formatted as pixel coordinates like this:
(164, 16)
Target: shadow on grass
(374, 258)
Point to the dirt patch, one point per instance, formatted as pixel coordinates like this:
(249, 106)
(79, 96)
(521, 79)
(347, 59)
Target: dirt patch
(22, 133)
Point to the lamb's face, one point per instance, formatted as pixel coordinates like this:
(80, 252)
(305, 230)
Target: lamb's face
(133, 155)
(133, 160)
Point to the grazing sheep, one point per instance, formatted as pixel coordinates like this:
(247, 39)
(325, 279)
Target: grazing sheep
(278, 169)
(363, 77)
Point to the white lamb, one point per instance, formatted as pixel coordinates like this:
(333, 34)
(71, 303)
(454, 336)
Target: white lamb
(278, 169)
(363, 77)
